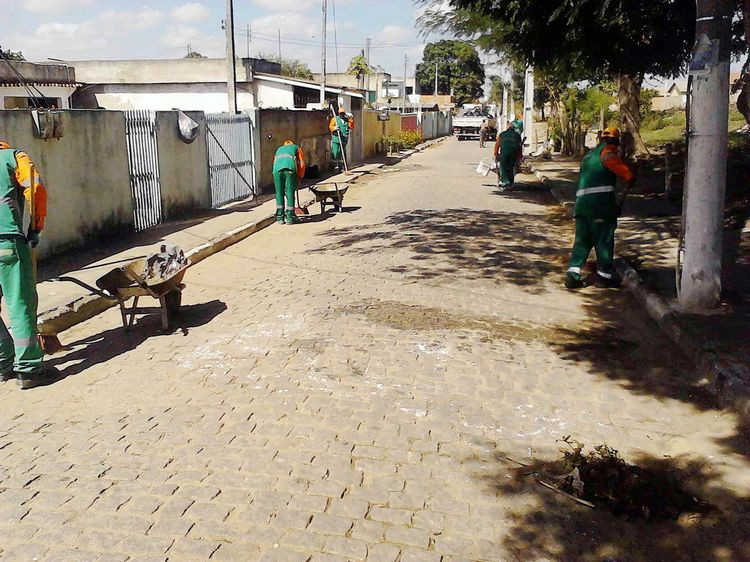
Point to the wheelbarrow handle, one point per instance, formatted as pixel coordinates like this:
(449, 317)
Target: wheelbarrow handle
(86, 286)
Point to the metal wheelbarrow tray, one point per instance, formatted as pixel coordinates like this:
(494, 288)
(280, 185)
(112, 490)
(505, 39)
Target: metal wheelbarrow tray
(131, 281)
(330, 194)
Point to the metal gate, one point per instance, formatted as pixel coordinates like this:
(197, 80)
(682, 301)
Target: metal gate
(143, 161)
(230, 157)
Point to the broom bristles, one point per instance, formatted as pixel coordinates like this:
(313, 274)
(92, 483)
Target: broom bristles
(51, 344)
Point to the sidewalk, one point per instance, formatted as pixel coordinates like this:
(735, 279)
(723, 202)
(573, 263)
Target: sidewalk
(648, 239)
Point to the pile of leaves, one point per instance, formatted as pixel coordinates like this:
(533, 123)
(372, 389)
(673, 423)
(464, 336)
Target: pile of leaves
(602, 478)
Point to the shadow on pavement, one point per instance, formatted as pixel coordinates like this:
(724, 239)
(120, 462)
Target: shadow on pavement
(100, 348)
(466, 243)
(545, 525)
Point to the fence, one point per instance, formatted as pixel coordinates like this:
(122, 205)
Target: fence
(230, 157)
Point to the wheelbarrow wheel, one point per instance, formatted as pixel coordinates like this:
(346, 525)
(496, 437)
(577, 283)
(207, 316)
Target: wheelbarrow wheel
(173, 301)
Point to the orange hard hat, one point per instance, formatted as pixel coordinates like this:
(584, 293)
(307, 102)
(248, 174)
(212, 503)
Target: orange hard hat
(4, 144)
(611, 133)
(287, 142)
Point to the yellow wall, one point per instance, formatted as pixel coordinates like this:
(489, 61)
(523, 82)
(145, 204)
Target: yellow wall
(374, 130)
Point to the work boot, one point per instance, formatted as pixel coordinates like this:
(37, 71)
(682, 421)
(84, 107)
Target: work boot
(573, 281)
(46, 376)
(290, 219)
(7, 375)
(605, 283)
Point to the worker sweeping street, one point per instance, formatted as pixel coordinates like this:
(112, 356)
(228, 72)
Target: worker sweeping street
(21, 354)
(596, 211)
(508, 151)
(288, 170)
(340, 126)
(517, 125)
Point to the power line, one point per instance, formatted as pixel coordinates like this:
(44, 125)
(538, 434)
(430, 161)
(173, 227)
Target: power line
(313, 43)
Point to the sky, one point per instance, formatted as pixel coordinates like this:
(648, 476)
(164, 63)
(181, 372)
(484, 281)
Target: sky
(121, 29)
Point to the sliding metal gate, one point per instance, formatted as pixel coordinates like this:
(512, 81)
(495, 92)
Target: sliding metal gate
(143, 161)
(230, 157)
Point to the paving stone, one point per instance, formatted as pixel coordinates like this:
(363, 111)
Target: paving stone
(302, 540)
(288, 519)
(326, 524)
(352, 509)
(414, 555)
(236, 551)
(186, 548)
(352, 549)
(171, 527)
(391, 516)
(408, 537)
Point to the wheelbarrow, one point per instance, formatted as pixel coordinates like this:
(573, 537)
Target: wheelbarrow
(133, 281)
(329, 194)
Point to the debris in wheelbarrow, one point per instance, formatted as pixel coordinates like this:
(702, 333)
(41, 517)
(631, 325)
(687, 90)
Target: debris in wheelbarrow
(158, 276)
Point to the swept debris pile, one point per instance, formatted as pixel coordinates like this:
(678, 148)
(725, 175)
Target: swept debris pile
(602, 478)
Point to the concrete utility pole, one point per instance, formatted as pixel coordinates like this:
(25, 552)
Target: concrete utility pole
(403, 100)
(368, 43)
(528, 108)
(501, 127)
(231, 72)
(700, 283)
(248, 40)
(323, 56)
(436, 81)
(278, 33)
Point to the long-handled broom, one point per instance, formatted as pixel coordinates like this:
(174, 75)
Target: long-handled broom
(341, 141)
(50, 342)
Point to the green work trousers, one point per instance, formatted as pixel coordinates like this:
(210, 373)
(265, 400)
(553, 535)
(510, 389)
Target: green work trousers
(597, 233)
(285, 182)
(337, 154)
(22, 351)
(507, 164)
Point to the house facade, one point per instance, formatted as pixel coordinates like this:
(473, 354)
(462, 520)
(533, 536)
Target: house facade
(25, 85)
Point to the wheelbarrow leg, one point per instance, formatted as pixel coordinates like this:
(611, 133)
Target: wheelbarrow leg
(132, 312)
(123, 312)
(164, 313)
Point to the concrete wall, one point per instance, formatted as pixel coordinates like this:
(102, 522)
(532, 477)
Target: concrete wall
(409, 122)
(157, 71)
(183, 168)
(374, 130)
(436, 124)
(49, 91)
(274, 95)
(307, 128)
(86, 174)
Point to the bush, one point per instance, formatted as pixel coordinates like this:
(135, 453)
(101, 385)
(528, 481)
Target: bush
(404, 140)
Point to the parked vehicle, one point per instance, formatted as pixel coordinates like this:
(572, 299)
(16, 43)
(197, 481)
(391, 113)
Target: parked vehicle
(466, 125)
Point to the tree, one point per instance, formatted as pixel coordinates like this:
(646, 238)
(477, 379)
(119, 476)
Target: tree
(194, 55)
(290, 67)
(358, 67)
(623, 40)
(460, 71)
(11, 55)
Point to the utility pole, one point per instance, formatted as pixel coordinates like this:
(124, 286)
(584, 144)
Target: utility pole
(189, 49)
(231, 71)
(323, 56)
(700, 282)
(368, 43)
(248, 40)
(403, 100)
(436, 81)
(528, 107)
(504, 124)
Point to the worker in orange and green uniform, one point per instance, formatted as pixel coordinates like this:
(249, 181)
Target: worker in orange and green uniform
(288, 170)
(508, 151)
(340, 126)
(596, 211)
(20, 353)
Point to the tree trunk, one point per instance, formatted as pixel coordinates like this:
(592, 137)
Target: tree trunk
(629, 98)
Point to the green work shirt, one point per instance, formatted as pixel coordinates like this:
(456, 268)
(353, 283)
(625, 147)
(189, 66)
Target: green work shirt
(343, 126)
(595, 196)
(11, 195)
(510, 142)
(285, 158)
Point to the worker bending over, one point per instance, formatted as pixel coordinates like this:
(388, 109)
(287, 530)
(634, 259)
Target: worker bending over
(340, 126)
(21, 354)
(508, 151)
(596, 211)
(288, 170)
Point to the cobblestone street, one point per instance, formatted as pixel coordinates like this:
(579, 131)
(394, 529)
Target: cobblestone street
(351, 389)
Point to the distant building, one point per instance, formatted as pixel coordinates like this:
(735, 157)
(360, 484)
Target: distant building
(25, 84)
(673, 94)
(197, 84)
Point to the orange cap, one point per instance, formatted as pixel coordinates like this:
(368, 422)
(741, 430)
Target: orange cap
(611, 133)
(3, 145)
(286, 142)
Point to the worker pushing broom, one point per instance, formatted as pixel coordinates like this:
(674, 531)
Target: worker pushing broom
(21, 353)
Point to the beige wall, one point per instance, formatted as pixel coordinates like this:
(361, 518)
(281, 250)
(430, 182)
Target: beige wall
(307, 128)
(86, 174)
(183, 168)
(374, 130)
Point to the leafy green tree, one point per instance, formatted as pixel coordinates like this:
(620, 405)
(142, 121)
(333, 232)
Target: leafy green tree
(576, 40)
(293, 68)
(194, 55)
(11, 55)
(358, 67)
(459, 70)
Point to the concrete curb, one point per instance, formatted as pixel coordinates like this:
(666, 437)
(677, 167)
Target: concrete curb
(722, 379)
(61, 318)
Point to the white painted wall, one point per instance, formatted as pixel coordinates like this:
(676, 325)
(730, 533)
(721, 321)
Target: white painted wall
(209, 98)
(62, 92)
(274, 95)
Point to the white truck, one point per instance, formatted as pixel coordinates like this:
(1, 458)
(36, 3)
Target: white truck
(466, 125)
